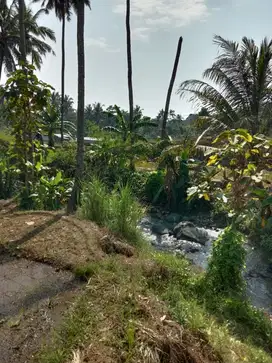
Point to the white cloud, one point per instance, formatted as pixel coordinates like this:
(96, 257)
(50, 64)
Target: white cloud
(156, 14)
(140, 33)
(100, 43)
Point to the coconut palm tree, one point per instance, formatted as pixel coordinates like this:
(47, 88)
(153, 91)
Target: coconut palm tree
(242, 96)
(129, 65)
(34, 45)
(123, 125)
(50, 124)
(8, 35)
(62, 10)
(68, 109)
(36, 36)
(22, 44)
(79, 6)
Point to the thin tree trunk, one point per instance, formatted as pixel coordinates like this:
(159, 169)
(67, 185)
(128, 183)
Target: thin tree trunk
(22, 30)
(129, 65)
(62, 76)
(170, 89)
(1, 60)
(74, 199)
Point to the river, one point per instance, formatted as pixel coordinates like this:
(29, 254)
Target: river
(258, 272)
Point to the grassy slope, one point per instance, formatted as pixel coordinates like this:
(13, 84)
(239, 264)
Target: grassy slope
(145, 309)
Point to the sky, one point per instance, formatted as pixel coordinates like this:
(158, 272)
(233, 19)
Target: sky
(156, 27)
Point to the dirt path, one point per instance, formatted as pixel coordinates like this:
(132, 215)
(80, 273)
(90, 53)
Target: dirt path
(37, 252)
(22, 335)
(24, 283)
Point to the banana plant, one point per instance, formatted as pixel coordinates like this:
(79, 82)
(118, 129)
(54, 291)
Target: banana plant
(126, 130)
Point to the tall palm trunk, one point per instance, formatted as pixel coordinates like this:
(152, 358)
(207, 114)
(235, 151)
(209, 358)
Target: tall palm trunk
(170, 89)
(1, 60)
(72, 204)
(130, 87)
(129, 65)
(21, 4)
(62, 75)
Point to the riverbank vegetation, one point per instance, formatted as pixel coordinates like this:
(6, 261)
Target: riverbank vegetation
(144, 305)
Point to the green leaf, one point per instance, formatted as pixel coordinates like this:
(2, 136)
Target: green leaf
(267, 202)
(223, 136)
(259, 192)
(251, 167)
(57, 178)
(38, 166)
(245, 134)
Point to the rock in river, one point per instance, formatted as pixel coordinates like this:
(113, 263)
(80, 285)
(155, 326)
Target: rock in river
(159, 228)
(187, 230)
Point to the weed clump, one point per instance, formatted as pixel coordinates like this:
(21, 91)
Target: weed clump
(119, 211)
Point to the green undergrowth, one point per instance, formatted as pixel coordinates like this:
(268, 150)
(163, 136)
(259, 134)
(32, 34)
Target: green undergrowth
(113, 310)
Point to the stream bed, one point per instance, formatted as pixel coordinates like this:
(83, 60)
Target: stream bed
(162, 234)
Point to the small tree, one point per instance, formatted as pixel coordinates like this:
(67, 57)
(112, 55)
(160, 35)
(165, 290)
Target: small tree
(26, 98)
(242, 162)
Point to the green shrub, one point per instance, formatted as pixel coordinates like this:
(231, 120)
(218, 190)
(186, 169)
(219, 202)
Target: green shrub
(154, 188)
(224, 274)
(64, 159)
(8, 175)
(48, 193)
(118, 211)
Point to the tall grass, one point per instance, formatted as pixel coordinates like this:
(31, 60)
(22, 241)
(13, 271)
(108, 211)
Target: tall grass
(95, 202)
(119, 211)
(125, 213)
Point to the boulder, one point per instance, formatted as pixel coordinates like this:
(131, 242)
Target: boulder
(159, 228)
(188, 231)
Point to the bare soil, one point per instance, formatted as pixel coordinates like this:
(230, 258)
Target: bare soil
(22, 335)
(50, 237)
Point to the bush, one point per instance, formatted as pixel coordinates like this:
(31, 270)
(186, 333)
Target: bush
(64, 159)
(118, 210)
(224, 274)
(48, 193)
(154, 188)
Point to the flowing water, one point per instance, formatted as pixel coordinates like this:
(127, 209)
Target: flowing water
(258, 273)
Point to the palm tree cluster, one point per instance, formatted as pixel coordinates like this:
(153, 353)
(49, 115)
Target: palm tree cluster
(36, 36)
(242, 95)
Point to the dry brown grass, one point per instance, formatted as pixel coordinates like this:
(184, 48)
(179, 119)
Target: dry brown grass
(50, 237)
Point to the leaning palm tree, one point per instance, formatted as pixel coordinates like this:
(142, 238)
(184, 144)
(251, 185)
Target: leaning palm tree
(170, 89)
(242, 96)
(79, 6)
(63, 13)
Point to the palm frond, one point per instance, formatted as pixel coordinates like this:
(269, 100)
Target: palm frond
(205, 95)
(139, 125)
